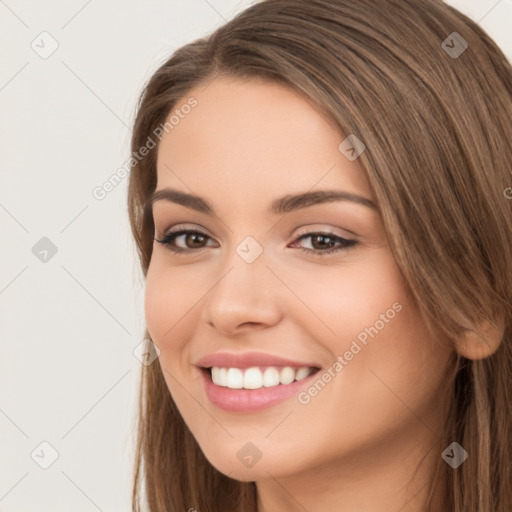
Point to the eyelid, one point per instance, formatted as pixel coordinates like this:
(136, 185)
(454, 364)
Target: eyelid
(345, 233)
(186, 227)
(309, 229)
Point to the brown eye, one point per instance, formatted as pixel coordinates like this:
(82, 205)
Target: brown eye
(190, 238)
(325, 243)
(194, 239)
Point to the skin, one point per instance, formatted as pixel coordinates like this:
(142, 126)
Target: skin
(367, 441)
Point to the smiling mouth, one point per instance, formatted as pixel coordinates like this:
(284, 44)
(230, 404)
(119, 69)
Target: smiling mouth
(257, 377)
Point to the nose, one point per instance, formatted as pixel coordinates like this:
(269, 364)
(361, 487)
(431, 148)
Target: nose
(246, 296)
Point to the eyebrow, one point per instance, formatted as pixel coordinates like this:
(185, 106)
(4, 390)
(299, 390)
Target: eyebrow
(282, 205)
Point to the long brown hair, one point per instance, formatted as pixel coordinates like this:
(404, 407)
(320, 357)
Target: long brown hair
(435, 116)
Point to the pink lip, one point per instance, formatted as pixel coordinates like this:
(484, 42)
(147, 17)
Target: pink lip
(249, 400)
(248, 359)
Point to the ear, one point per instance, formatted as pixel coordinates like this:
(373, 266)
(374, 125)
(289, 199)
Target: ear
(481, 341)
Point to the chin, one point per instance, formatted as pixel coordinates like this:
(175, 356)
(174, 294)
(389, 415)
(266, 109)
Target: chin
(244, 463)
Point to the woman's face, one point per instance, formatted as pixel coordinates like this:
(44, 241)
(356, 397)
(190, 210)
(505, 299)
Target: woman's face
(273, 277)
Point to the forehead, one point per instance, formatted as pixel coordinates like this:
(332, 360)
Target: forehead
(253, 136)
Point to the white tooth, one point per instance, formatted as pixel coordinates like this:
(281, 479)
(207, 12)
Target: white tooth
(215, 375)
(222, 376)
(302, 373)
(287, 375)
(270, 377)
(235, 378)
(253, 378)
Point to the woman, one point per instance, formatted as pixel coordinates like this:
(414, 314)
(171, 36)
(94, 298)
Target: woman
(322, 213)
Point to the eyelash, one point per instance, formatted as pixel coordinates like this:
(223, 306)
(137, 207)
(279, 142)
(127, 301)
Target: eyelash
(170, 237)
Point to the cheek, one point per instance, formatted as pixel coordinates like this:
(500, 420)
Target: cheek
(365, 311)
(169, 305)
(345, 300)
(170, 319)
(396, 363)
(157, 305)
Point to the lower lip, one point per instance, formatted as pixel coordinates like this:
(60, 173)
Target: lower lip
(248, 400)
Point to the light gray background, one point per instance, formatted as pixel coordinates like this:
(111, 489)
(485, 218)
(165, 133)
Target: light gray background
(68, 326)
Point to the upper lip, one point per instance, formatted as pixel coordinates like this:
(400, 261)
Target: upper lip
(247, 360)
